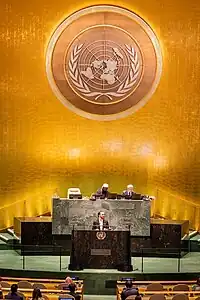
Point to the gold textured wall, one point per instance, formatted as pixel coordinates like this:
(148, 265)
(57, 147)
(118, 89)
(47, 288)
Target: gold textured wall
(45, 147)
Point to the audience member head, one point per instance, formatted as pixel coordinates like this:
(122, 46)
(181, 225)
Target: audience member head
(138, 297)
(130, 188)
(68, 280)
(129, 284)
(72, 287)
(101, 215)
(198, 281)
(14, 288)
(36, 293)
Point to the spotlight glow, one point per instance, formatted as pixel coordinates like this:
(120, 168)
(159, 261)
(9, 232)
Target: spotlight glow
(74, 153)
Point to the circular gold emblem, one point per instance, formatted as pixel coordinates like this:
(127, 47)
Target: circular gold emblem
(101, 235)
(104, 62)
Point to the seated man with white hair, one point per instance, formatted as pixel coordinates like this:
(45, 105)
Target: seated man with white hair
(103, 192)
(129, 192)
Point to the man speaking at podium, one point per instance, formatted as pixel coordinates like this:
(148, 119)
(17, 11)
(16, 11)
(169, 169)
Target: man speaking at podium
(100, 223)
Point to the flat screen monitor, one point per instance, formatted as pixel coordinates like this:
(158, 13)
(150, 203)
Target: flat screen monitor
(127, 279)
(75, 196)
(112, 196)
(136, 196)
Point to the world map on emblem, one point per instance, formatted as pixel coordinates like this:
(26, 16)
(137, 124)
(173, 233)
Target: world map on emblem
(106, 70)
(102, 63)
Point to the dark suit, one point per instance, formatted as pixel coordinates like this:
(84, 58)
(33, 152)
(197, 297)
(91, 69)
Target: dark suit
(128, 194)
(96, 225)
(102, 194)
(75, 295)
(13, 296)
(129, 292)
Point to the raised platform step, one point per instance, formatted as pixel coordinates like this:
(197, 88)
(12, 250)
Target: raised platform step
(165, 235)
(3, 245)
(2, 242)
(195, 243)
(196, 237)
(8, 239)
(12, 233)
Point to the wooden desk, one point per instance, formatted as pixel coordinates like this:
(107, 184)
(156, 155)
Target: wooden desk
(33, 280)
(174, 282)
(51, 294)
(142, 285)
(51, 297)
(168, 293)
(49, 283)
(51, 287)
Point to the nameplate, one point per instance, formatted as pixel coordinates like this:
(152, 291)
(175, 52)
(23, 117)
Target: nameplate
(100, 252)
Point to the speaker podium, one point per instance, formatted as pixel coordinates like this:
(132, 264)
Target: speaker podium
(100, 250)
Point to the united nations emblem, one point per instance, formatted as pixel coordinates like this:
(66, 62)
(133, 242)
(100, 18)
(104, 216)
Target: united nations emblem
(104, 62)
(101, 235)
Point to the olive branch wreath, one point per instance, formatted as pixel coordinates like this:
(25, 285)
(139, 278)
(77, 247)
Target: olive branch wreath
(84, 88)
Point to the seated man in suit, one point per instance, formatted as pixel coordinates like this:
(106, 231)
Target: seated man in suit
(129, 290)
(103, 191)
(100, 223)
(13, 295)
(129, 192)
(72, 288)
